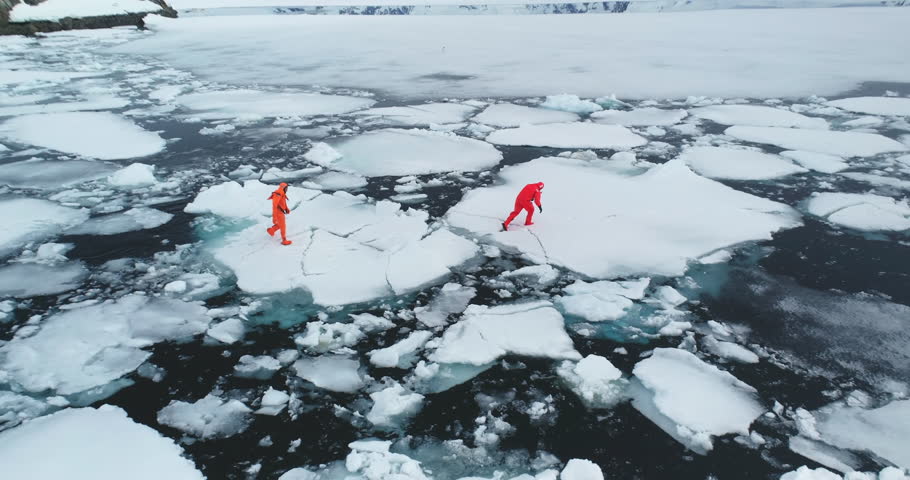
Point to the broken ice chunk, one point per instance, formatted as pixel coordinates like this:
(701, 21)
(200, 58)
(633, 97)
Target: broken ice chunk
(393, 405)
(209, 417)
(401, 354)
(337, 373)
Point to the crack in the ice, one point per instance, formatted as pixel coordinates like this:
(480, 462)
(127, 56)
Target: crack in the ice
(832, 212)
(542, 248)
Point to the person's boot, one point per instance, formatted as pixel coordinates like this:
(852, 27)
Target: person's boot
(286, 242)
(272, 230)
(528, 224)
(505, 228)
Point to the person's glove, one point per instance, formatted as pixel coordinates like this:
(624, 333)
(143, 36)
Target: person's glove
(540, 207)
(287, 212)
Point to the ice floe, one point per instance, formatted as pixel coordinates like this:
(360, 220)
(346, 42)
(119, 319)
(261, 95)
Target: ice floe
(259, 367)
(570, 103)
(337, 373)
(844, 144)
(273, 402)
(729, 350)
(451, 299)
(820, 162)
(93, 102)
(208, 417)
(758, 116)
(580, 469)
(30, 220)
(229, 331)
(875, 105)
(511, 115)
(101, 444)
(640, 117)
(601, 301)
(135, 175)
(111, 337)
(32, 279)
(52, 174)
(393, 405)
(867, 212)
(336, 181)
(653, 223)
(253, 104)
(568, 135)
(738, 164)
(139, 218)
(401, 354)
(422, 115)
(487, 333)
(411, 152)
(691, 400)
(101, 135)
(595, 380)
(884, 430)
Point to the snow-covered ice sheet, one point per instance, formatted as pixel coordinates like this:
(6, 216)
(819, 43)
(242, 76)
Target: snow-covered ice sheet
(758, 116)
(208, 417)
(54, 10)
(29, 220)
(568, 135)
(844, 144)
(820, 162)
(875, 105)
(692, 400)
(867, 212)
(337, 181)
(100, 444)
(726, 53)
(139, 218)
(486, 333)
(411, 152)
(95, 102)
(884, 430)
(419, 115)
(32, 280)
(640, 117)
(511, 115)
(653, 223)
(52, 174)
(89, 347)
(245, 104)
(101, 135)
(738, 164)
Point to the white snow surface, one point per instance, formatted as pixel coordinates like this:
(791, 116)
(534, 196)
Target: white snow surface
(346, 250)
(411, 152)
(758, 116)
(101, 135)
(52, 174)
(700, 399)
(820, 162)
(32, 220)
(139, 218)
(487, 333)
(859, 211)
(419, 115)
(738, 164)
(653, 223)
(491, 54)
(844, 144)
(135, 175)
(208, 417)
(511, 115)
(896, 106)
(33, 279)
(884, 430)
(568, 135)
(97, 444)
(601, 301)
(88, 347)
(252, 104)
(54, 10)
(640, 117)
(337, 181)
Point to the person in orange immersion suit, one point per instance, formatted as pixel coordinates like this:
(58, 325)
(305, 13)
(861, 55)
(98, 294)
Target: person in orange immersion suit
(280, 208)
(530, 193)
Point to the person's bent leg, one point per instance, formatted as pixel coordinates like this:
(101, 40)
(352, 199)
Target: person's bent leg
(512, 216)
(530, 208)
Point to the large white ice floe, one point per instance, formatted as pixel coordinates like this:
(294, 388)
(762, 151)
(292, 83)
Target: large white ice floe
(652, 223)
(820, 162)
(511, 115)
(419, 115)
(580, 469)
(100, 444)
(411, 152)
(89, 347)
(139, 218)
(640, 117)
(485, 334)
(691, 400)
(884, 431)
(52, 174)
(54, 10)
(346, 249)
(337, 373)
(568, 135)
(738, 164)
(393, 405)
(844, 144)
(33, 279)
(91, 103)
(861, 211)
(252, 104)
(758, 116)
(601, 301)
(29, 220)
(595, 380)
(208, 417)
(101, 135)
(875, 105)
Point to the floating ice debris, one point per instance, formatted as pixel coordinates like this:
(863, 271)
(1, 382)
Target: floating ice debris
(884, 430)
(568, 135)
(52, 174)
(372, 460)
(544, 274)
(401, 354)
(209, 417)
(845, 144)
(640, 117)
(30, 220)
(337, 373)
(578, 469)
(101, 135)
(486, 333)
(875, 105)
(421, 115)
(101, 444)
(251, 104)
(452, 298)
(324, 337)
(135, 175)
(411, 152)
(139, 218)
(806, 473)
(260, 367)
(570, 103)
(670, 297)
(601, 301)
(820, 162)
(738, 164)
(393, 405)
(510, 115)
(10, 77)
(595, 380)
(33, 279)
(273, 402)
(758, 116)
(337, 181)
(878, 180)
(824, 454)
(229, 331)
(691, 400)
(866, 212)
(649, 218)
(729, 350)
(112, 337)
(94, 102)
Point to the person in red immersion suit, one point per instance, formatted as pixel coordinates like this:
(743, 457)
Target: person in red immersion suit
(530, 193)
(280, 208)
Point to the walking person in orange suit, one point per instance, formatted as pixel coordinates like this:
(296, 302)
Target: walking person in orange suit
(526, 199)
(280, 208)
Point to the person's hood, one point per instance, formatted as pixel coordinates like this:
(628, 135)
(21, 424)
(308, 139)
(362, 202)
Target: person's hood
(540, 185)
